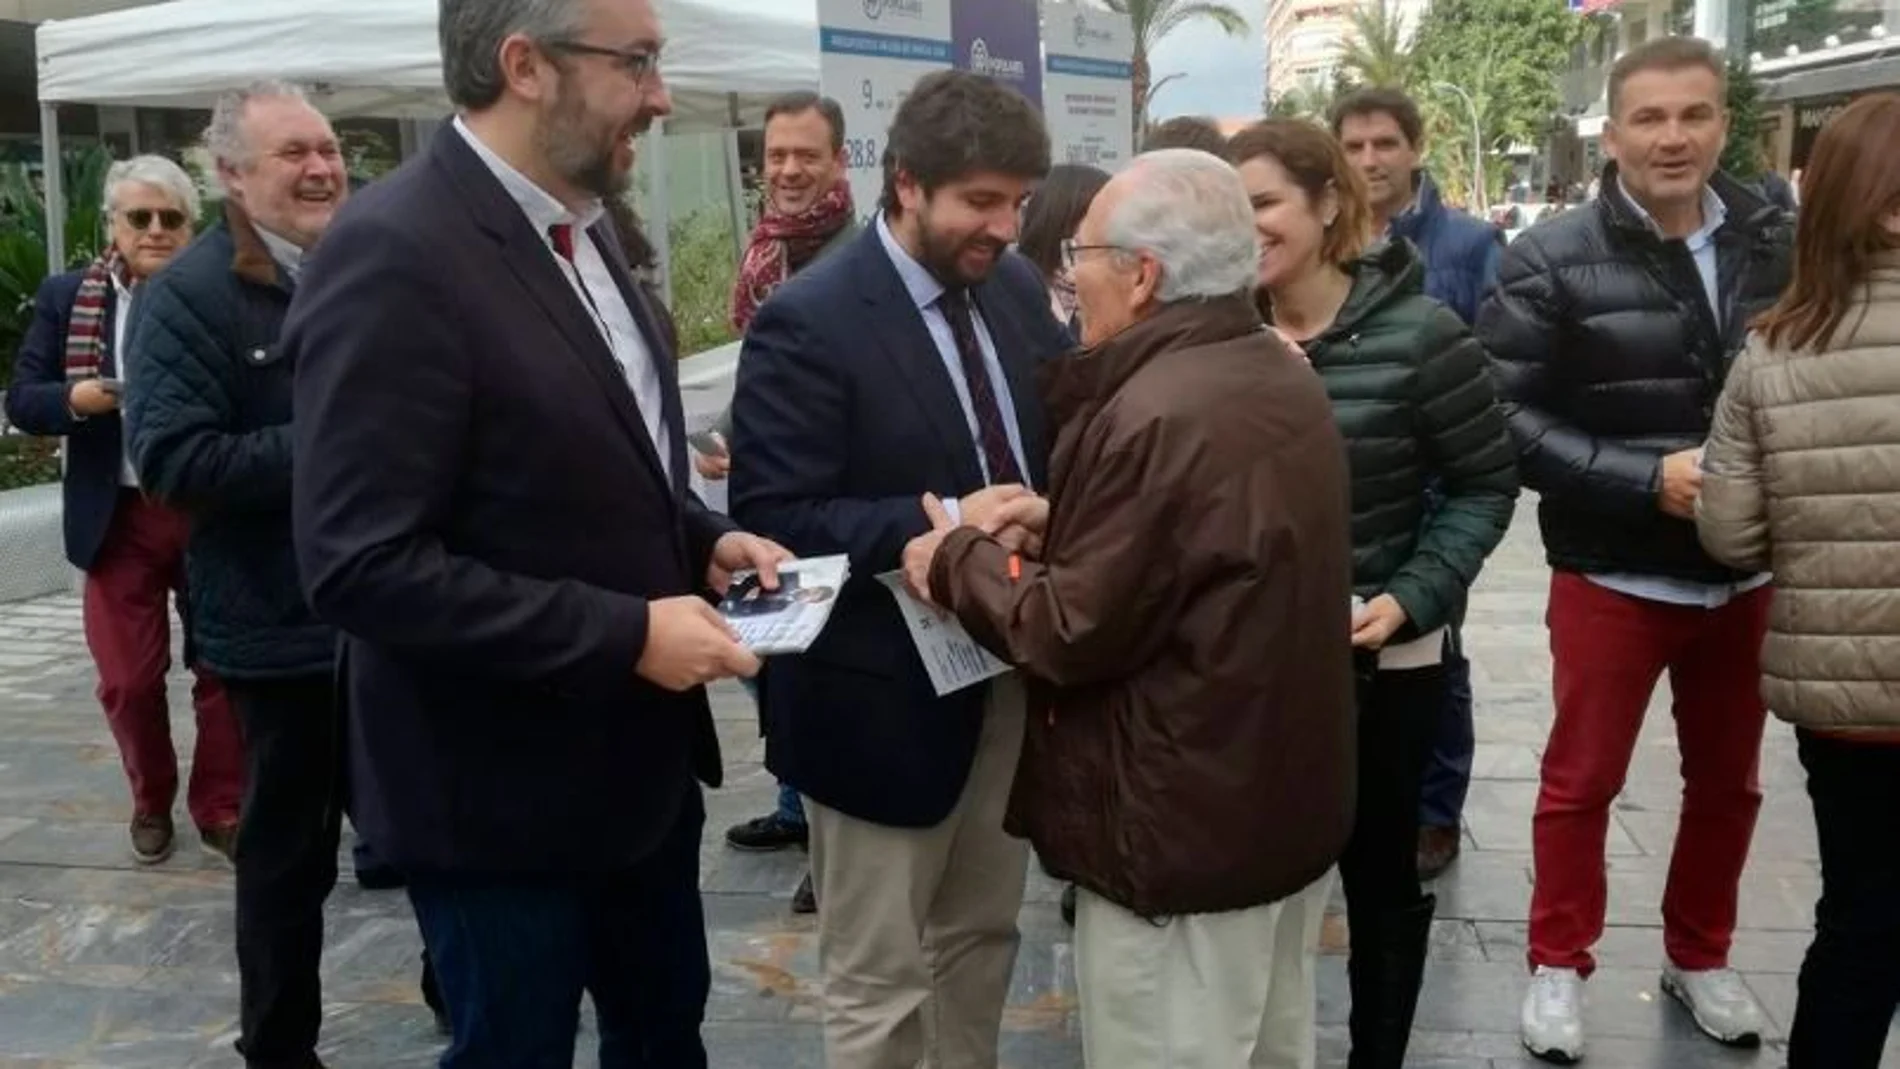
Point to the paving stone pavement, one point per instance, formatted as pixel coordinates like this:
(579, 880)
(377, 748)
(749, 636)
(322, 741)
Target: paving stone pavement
(106, 965)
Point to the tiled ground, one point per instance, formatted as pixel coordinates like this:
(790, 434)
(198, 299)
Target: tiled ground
(102, 965)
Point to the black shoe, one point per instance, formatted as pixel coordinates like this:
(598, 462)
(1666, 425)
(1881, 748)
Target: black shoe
(432, 998)
(1068, 905)
(770, 832)
(805, 899)
(1384, 972)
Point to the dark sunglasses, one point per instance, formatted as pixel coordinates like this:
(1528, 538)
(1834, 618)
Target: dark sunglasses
(168, 218)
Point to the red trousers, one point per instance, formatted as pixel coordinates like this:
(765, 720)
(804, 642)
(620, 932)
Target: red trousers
(128, 628)
(1609, 649)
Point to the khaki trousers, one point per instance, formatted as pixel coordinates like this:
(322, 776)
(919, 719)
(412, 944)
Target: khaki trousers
(1204, 991)
(917, 926)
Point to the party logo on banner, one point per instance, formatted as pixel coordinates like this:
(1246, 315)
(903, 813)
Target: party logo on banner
(900, 9)
(1000, 39)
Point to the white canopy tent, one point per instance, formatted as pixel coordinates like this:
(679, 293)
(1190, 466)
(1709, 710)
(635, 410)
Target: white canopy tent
(724, 59)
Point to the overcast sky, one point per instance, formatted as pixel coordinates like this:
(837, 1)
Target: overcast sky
(1222, 76)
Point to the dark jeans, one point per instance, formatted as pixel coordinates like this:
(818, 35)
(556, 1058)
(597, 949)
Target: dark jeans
(1448, 772)
(1850, 982)
(286, 861)
(513, 958)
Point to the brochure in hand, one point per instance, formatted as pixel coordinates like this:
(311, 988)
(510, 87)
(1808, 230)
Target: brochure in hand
(789, 619)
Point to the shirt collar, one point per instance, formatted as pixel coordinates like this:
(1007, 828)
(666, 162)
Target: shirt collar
(287, 253)
(542, 208)
(923, 286)
(1714, 214)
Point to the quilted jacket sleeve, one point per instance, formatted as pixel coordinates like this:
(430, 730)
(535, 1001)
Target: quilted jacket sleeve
(1521, 327)
(1732, 512)
(180, 409)
(1469, 451)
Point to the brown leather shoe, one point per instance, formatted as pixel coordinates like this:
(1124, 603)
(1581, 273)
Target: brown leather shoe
(152, 838)
(221, 843)
(1438, 847)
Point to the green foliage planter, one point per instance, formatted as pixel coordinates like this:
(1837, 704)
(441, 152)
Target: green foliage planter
(28, 461)
(23, 239)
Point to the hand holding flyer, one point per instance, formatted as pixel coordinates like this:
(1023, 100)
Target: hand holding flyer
(789, 619)
(953, 659)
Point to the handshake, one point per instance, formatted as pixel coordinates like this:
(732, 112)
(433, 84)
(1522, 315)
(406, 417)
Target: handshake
(1011, 513)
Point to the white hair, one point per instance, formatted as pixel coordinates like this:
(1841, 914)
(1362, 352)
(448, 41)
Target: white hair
(159, 173)
(1189, 210)
(224, 138)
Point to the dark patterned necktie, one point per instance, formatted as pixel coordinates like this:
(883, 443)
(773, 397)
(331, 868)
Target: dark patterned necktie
(992, 432)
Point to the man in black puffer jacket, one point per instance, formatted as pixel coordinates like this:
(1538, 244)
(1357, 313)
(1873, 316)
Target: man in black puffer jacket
(1611, 332)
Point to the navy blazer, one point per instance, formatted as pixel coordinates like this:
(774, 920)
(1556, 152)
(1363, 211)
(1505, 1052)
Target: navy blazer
(36, 403)
(843, 417)
(480, 509)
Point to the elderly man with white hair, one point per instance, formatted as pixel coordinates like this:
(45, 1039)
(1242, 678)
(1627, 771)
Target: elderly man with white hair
(72, 368)
(1179, 605)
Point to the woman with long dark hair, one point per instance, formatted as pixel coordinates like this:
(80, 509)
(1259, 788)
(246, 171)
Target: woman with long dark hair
(1049, 219)
(1413, 398)
(1801, 476)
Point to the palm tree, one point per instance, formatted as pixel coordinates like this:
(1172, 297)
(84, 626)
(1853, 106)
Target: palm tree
(1155, 19)
(1375, 54)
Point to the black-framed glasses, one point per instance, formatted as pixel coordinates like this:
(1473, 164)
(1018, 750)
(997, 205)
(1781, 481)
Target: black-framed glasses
(1071, 250)
(636, 63)
(167, 218)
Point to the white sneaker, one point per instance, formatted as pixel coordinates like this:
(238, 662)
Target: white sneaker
(1718, 1000)
(1552, 1021)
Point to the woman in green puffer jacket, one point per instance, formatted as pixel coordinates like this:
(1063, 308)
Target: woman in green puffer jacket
(1414, 401)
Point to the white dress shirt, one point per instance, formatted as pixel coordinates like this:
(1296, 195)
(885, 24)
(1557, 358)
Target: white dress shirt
(924, 290)
(593, 287)
(122, 315)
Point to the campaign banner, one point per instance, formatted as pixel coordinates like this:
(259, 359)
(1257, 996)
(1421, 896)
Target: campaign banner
(1088, 85)
(870, 52)
(1000, 39)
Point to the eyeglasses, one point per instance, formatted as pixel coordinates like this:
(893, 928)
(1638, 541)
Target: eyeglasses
(1071, 251)
(636, 63)
(168, 218)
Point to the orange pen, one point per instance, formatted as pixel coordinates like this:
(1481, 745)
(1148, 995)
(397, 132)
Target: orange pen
(1015, 568)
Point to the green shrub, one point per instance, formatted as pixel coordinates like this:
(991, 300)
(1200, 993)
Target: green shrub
(23, 238)
(704, 266)
(26, 461)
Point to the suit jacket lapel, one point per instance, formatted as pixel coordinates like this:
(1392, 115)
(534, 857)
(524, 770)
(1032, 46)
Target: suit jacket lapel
(899, 328)
(528, 259)
(647, 317)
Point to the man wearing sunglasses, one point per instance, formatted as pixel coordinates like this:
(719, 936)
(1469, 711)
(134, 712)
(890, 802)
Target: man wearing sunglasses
(67, 381)
(491, 502)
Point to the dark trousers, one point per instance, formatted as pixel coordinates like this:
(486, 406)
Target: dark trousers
(1850, 982)
(286, 861)
(1448, 772)
(513, 958)
(1388, 919)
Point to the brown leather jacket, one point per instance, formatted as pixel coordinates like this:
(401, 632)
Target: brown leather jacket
(1190, 739)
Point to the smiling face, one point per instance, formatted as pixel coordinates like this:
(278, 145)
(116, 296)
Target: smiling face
(1667, 134)
(800, 162)
(292, 179)
(1291, 226)
(166, 227)
(962, 229)
(592, 104)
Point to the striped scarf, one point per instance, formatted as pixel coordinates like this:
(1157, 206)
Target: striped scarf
(86, 330)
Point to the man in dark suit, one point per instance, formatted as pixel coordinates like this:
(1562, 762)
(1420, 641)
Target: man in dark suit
(491, 504)
(900, 366)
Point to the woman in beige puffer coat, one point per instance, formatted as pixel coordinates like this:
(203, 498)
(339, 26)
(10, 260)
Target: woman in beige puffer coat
(1802, 476)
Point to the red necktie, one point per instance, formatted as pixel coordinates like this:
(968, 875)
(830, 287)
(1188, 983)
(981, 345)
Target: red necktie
(562, 235)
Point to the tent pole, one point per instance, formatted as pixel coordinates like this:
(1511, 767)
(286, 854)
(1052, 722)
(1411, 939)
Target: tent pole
(735, 196)
(660, 209)
(55, 195)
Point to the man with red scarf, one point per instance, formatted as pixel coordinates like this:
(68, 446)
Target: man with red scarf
(808, 212)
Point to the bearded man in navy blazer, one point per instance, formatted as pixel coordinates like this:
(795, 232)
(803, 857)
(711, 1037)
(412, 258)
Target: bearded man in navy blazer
(491, 505)
(904, 364)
